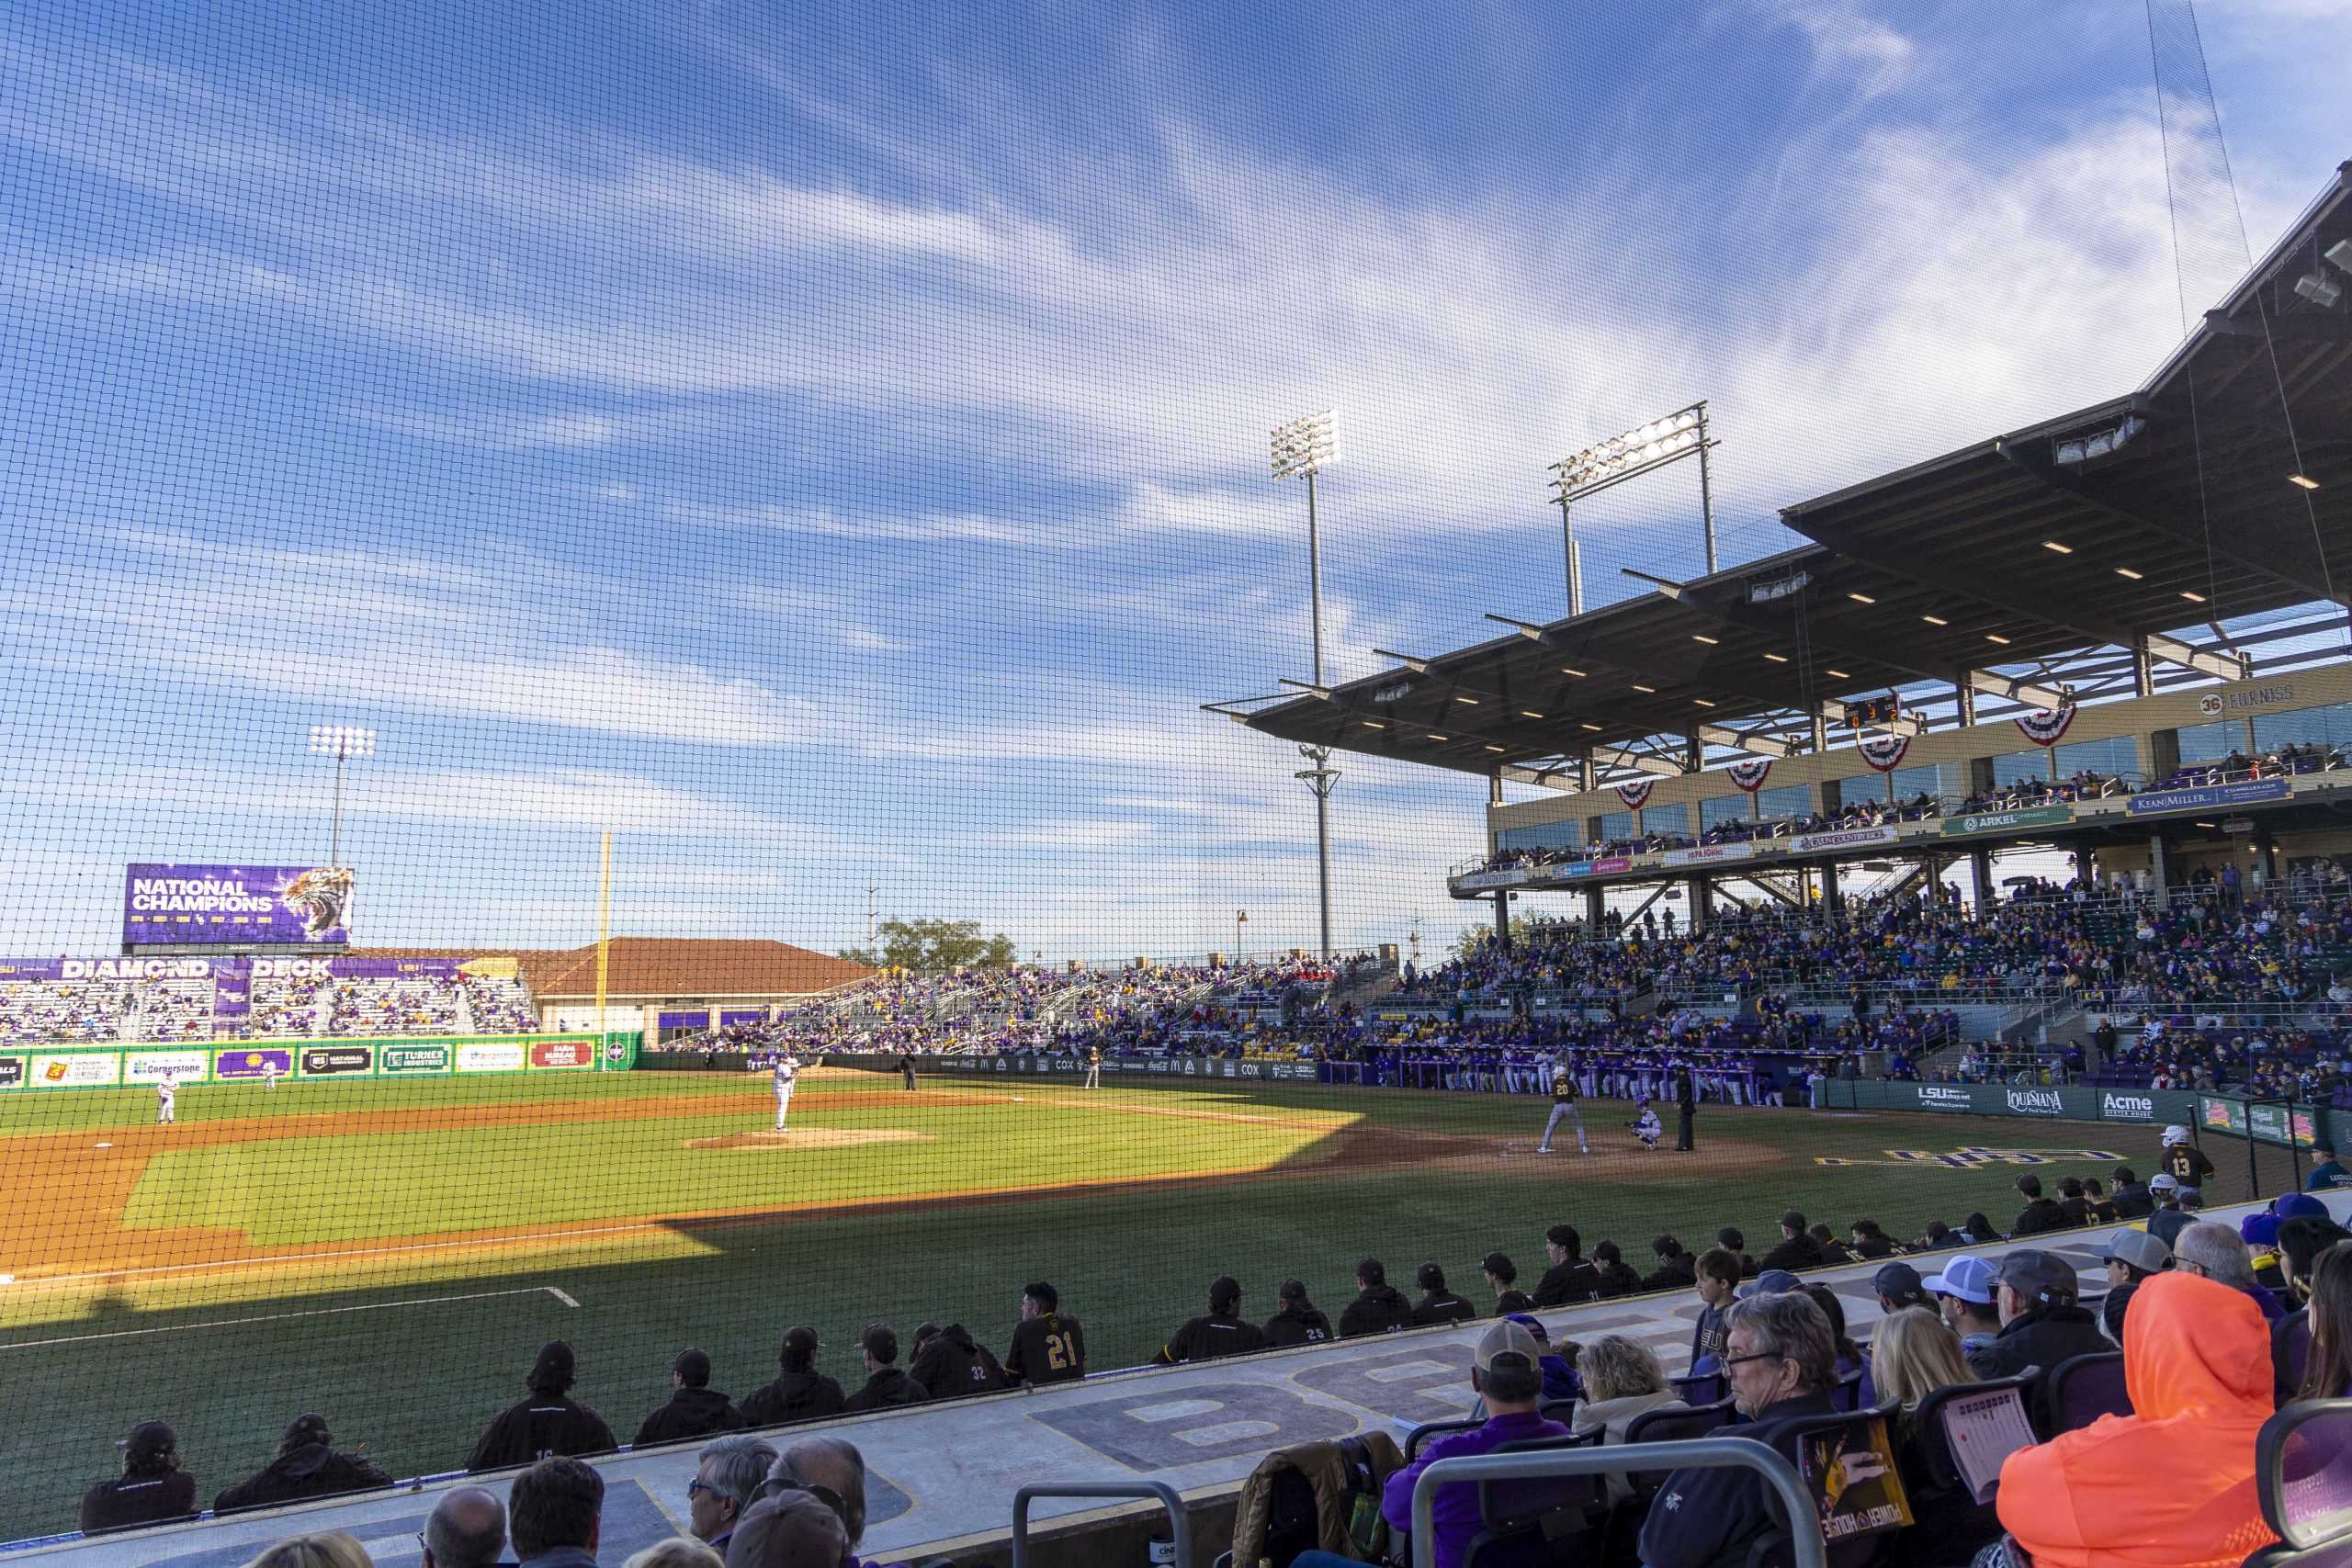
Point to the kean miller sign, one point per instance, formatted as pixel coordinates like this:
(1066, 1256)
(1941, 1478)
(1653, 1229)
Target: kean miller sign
(236, 906)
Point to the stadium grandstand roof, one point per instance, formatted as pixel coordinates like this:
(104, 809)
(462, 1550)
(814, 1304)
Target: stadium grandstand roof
(662, 966)
(1999, 569)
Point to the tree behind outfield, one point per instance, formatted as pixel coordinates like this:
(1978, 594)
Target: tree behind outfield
(935, 947)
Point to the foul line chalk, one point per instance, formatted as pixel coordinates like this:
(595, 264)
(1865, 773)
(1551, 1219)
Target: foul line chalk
(281, 1317)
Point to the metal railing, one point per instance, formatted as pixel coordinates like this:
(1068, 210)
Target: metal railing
(1809, 1549)
(1181, 1524)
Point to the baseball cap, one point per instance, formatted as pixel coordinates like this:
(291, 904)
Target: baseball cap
(2295, 1204)
(694, 1367)
(1499, 1265)
(309, 1428)
(1772, 1282)
(1505, 1337)
(2163, 1184)
(2175, 1133)
(881, 1342)
(553, 1370)
(1896, 1280)
(2039, 1276)
(2259, 1230)
(147, 1439)
(2145, 1252)
(1224, 1290)
(1534, 1325)
(1967, 1279)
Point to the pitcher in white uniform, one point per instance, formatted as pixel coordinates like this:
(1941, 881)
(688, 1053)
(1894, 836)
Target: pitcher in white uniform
(787, 1068)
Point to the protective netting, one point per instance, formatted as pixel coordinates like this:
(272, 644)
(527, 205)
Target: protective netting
(606, 618)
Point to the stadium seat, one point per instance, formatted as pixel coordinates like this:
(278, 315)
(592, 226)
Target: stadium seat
(1429, 1429)
(1657, 1426)
(2079, 1391)
(1545, 1520)
(1958, 1437)
(1563, 1410)
(2303, 1475)
(1848, 1394)
(1696, 1391)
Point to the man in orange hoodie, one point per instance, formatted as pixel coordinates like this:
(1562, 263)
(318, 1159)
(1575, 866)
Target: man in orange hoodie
(2196, 1365)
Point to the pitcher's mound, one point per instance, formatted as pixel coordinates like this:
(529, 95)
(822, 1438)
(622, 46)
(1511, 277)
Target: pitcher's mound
(809, 1138)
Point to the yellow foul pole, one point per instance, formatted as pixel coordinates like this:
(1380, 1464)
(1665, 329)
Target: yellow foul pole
(604, 941)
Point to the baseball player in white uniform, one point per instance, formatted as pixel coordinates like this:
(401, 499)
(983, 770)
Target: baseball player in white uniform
(787, 1068)
(269, 1073)
(167, 1089)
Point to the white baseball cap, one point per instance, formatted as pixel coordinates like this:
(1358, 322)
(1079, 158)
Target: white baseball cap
(2175, 1133)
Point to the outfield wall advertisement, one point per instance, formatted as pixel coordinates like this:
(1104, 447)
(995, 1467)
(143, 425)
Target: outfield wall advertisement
(115, 1067)
(2268, 1122)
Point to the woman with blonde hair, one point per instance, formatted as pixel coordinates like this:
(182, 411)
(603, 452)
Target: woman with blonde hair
(678, 1552)
(1622, 1379)
(326, 1549)
(1912, 1354)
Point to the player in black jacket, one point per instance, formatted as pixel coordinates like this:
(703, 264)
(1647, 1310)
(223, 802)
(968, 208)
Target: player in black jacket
(1438, 1305)
(1379, 1306)
(1676, 1270)
(151, 1489)
(696, 1409)
(1048, 1345)
(548, 1422)
(801, 1393)
(1221, 1332)
(1502, 1277)
(2184, 1161)
(1570, 1278)
(949, 1364)
(1617, 1278)
(1797, 1250)
(886, 1382)
(1300, 1322)
(306, 1466)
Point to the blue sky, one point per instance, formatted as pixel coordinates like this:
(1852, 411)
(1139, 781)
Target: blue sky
(827, 446)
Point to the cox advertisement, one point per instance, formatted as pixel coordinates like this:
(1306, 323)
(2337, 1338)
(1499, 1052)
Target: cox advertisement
(244, 906)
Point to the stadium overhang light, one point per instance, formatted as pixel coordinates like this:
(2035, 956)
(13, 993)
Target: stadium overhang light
(1838, 674)
(1568, 670)
(1996, 637)
(1373, 724)
(1778, 658)
(1435, 735)
(1861, 598)
(1418, 666)
(1594, 727)
(1497, 750)
(1703, 702)
(2075, 450)
(1639, 687)
(2127, 572)
(1528, 713)
(2192, 598)
(1935, 620)
(1710, 641)
(1467, 702)
(2056, 548)
(2319, 289)
(2340, 254)
(2302, 482)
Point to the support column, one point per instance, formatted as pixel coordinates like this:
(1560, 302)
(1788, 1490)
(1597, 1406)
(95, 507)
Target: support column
(1980, 865)
(2267, 843)
(2159, 873)
(1964, 700)
(1495, 787)
(1831, 895)
(1702, 894)
(1820, 735)
(1502, 918)
(1594, 908)
(2144, 669)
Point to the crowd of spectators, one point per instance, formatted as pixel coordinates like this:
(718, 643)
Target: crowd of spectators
(2219, 1327)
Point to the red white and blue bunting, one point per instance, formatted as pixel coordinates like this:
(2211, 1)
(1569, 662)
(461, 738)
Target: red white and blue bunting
(1750, 777)
(1636, 794)
(2045, 728)
(1884, 752)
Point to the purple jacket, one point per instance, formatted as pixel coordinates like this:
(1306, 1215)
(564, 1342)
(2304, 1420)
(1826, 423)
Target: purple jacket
(1456, 1512)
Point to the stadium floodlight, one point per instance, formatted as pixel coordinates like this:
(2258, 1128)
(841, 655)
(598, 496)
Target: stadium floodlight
(1667, 439)
(1299, 450)
(2340, 254)
(2319, 289)
(344, 742)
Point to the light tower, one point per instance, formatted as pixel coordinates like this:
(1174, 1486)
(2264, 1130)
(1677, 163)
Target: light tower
(344, 742)
(1300, 450)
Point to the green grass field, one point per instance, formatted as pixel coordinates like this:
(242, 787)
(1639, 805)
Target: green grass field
(389, 1254)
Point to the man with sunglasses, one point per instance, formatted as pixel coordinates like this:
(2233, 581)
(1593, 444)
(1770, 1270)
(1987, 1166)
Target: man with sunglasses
(1781, 1359)
(727, 1482)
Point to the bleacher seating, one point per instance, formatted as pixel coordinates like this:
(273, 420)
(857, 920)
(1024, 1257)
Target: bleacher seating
(65, 1012)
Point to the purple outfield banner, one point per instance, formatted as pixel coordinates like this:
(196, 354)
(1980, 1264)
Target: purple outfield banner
(236, 906)
(256, 1062)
